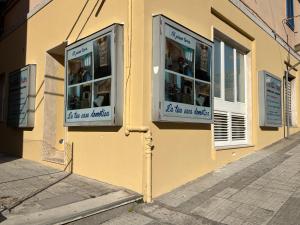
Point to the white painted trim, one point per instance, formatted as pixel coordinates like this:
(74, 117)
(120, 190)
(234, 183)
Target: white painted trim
(233, 107)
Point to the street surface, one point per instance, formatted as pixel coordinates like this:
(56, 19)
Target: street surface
(262, 188)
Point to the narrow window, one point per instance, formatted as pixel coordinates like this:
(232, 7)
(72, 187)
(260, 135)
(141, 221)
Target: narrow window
(240, 77)
(229, 74)
(217, 69)
(291, 103)
(290, 14)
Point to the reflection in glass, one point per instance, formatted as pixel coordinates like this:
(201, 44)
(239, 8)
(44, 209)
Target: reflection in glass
(79, 97)
(202, 94)
(102, 92)
(240, 77)
(217, 69)
(102, 57)
(179, 58)
(229, 74)
(179, 89)
(80, 69)
(202, 67)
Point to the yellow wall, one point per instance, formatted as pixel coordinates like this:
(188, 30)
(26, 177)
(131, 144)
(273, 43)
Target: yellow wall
(181, 152)
(184, 152)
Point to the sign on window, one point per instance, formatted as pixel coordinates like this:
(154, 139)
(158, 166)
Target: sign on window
(21, 97)
(182, 74)
(94, 74)
(270, 100)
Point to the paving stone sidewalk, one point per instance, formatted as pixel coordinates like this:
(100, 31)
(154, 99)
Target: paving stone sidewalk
(19, 178)
(261, 188)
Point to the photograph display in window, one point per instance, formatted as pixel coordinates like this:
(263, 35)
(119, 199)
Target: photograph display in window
(179, 89)
(90, 81)
(179, 58)
(79, 97)
(102, 54)
(187, 76)
(202, 94)
(202, 67)
(80, 69)
(102, 93)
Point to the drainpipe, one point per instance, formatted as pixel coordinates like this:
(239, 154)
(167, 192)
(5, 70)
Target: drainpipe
(148, 146)
(148, 156)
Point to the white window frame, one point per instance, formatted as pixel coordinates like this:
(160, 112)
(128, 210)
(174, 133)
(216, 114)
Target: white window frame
(235, 108)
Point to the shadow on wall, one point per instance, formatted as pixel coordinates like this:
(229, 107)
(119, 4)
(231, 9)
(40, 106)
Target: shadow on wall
(13, 37)
(269, 128)
(183, 126)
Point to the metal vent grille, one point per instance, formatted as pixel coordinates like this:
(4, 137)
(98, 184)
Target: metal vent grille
(221, 126)
(238, 127)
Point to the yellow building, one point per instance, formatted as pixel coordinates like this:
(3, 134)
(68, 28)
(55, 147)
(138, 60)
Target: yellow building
(150, 94)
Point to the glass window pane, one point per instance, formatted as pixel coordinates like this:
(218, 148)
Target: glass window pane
(80, 69)
(217, 69)
(240, 77)
(179, 58)
(229, 74)
(79, 97)
(102, 57)
(202, 94)
(203, 54)
(179, 89)
(102, 94)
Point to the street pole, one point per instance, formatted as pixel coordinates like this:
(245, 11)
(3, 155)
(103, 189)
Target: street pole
(287, 116)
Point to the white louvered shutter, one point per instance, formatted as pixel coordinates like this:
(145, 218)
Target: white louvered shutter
(221, 126)
(230, 128)
(238, 127)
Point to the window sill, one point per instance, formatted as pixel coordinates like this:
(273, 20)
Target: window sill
(228, 147)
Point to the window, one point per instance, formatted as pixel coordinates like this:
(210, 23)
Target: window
(182, 89)
(21, 97)
(290, 14)
(2, 93)
(92, 80)
(291, 103)
(217, 69)
(230, 117)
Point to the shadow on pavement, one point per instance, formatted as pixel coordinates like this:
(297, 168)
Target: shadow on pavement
(2, 218)
(6, 158)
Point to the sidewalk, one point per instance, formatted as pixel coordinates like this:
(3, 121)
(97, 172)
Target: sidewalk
(261, 188)
(66, 196)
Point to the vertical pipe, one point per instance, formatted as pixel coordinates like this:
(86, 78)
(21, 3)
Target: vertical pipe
(148, 159)
(287, 103)
(128, 69)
